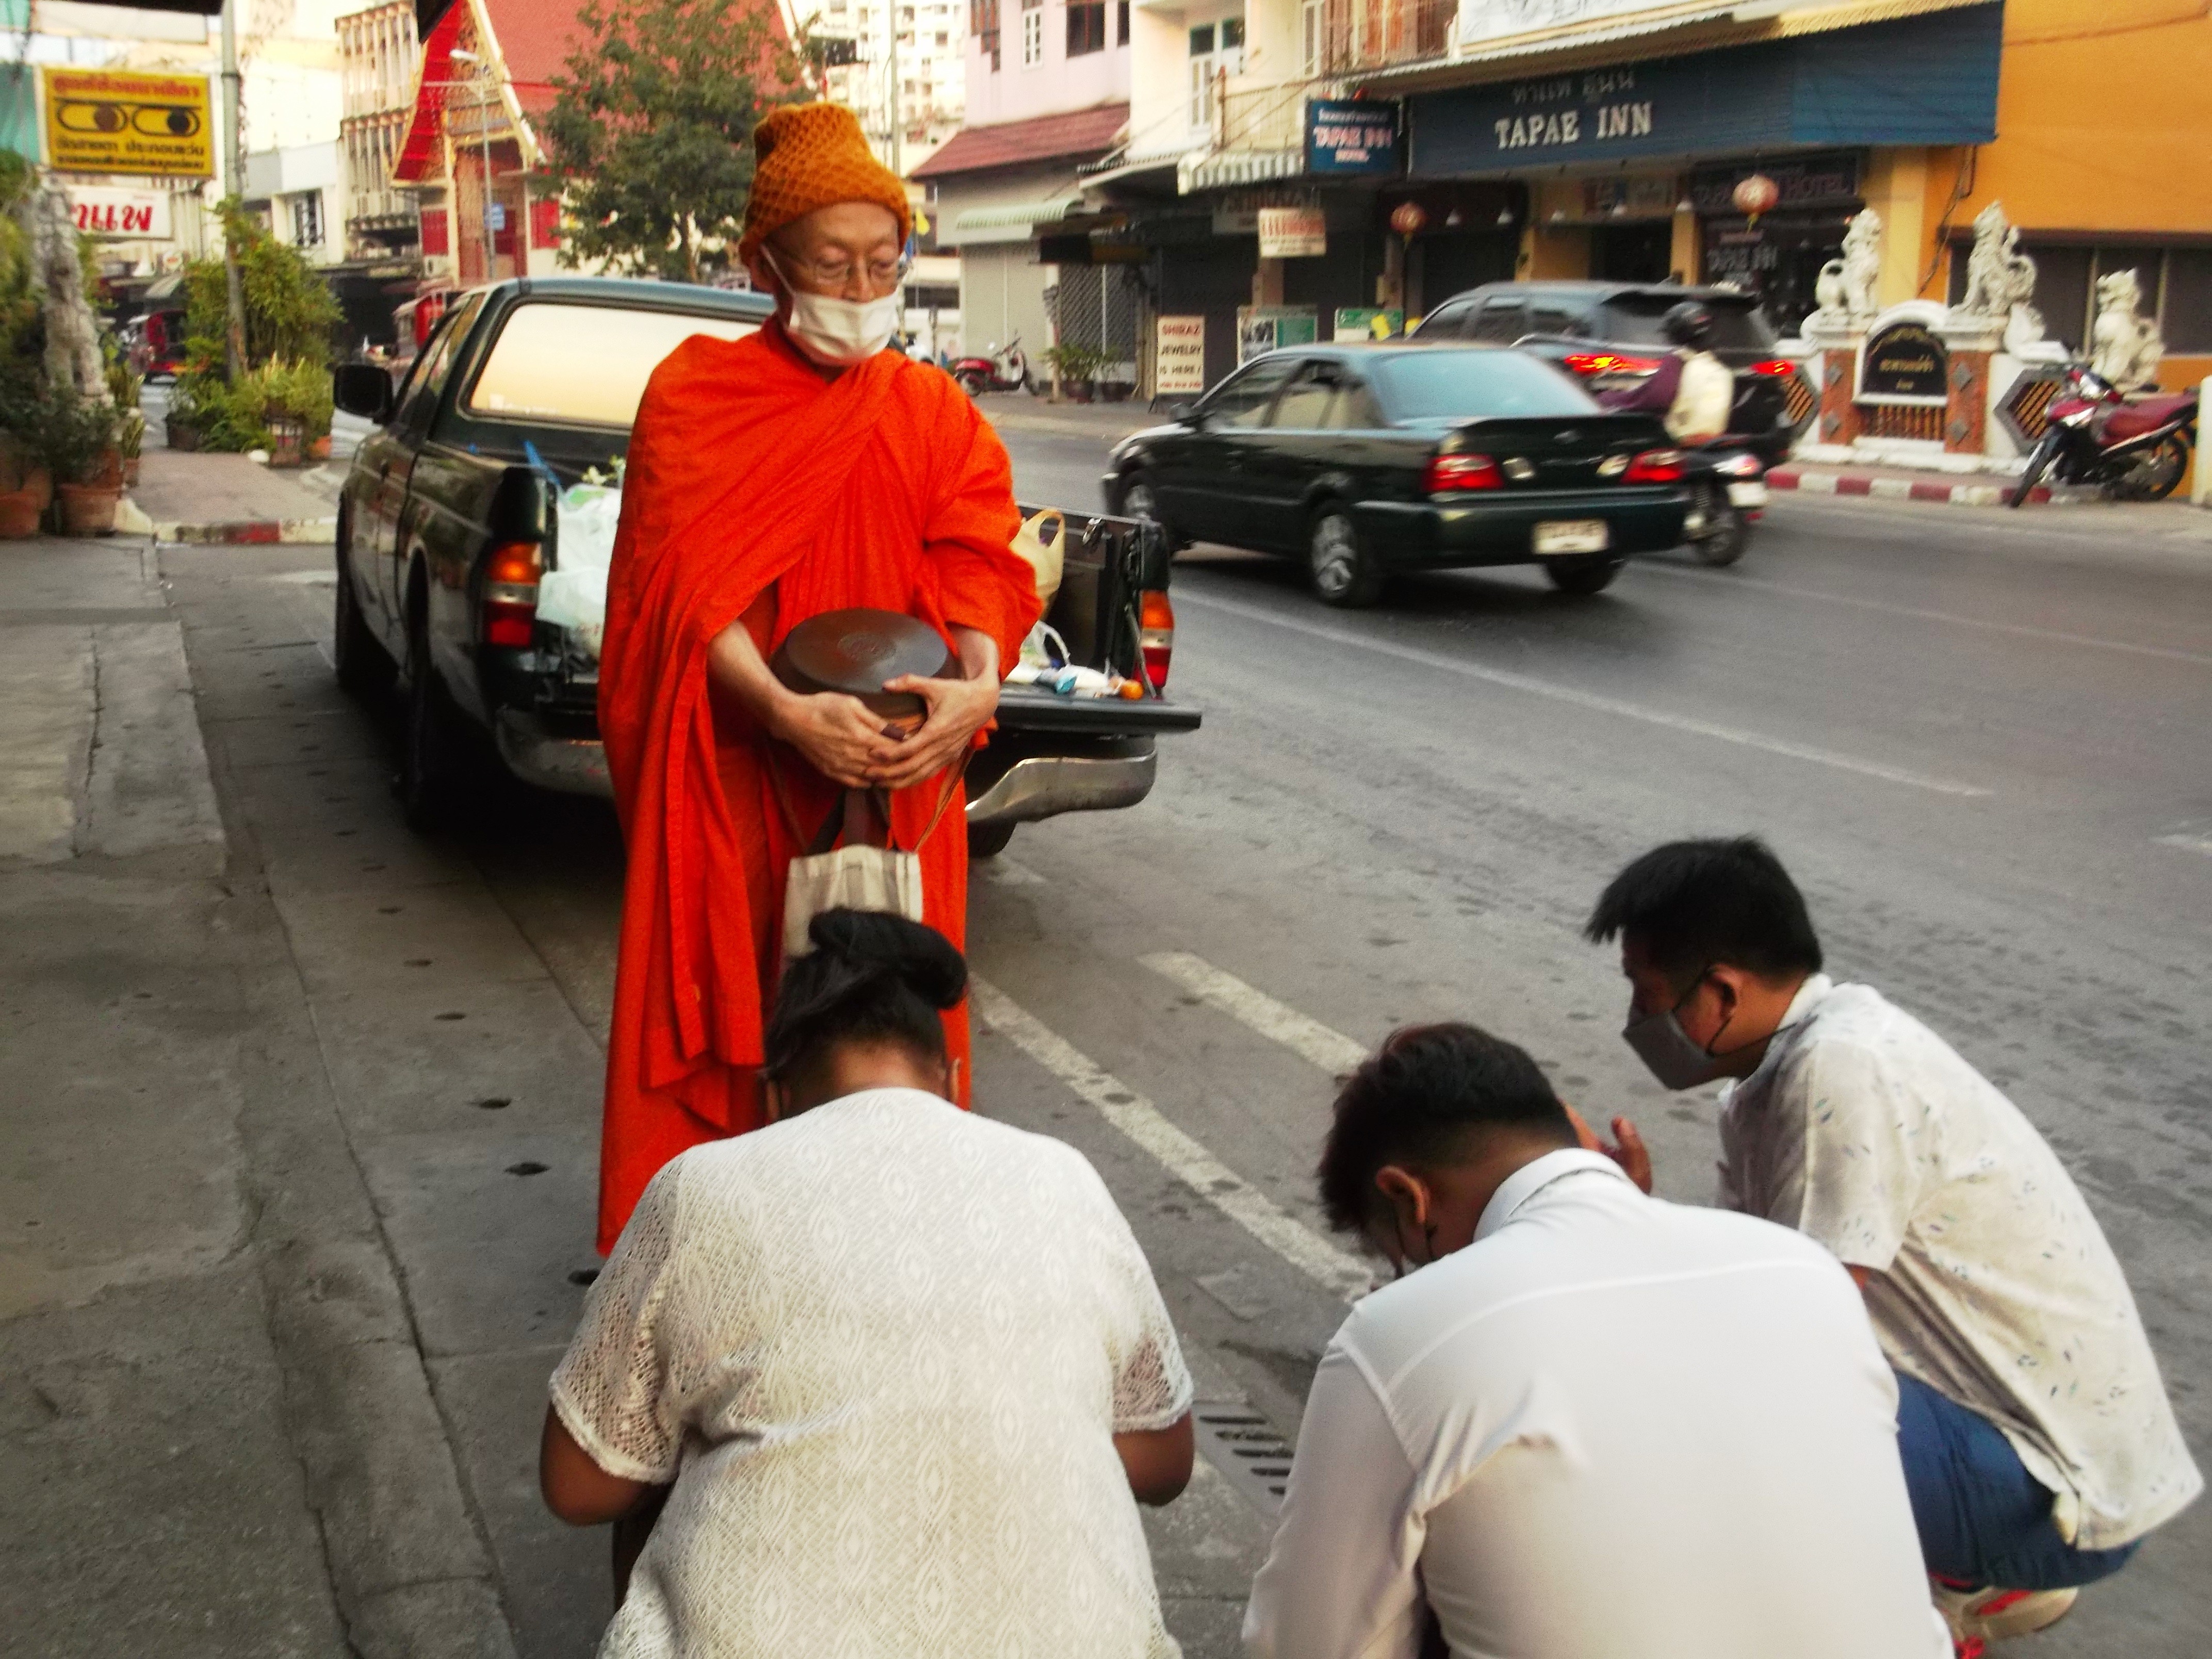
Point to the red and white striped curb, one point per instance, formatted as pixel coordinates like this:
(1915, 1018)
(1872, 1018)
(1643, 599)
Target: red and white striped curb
(249, 531)
(1915, 489)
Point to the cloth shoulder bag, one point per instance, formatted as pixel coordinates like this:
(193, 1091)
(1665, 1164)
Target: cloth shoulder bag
(859, 875)
(1047, 557)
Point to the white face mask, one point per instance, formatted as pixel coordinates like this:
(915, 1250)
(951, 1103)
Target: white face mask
(837, 333)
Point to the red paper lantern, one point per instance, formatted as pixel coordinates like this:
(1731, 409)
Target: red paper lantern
(1407, 218)
(1755, 194)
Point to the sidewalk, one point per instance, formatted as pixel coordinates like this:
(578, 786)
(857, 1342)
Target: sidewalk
(195, 495)
(215, 1428)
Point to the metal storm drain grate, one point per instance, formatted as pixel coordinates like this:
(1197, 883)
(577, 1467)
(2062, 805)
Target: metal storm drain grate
(1236, 1440)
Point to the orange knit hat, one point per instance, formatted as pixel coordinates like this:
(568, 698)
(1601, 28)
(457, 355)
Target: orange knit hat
(810, 156)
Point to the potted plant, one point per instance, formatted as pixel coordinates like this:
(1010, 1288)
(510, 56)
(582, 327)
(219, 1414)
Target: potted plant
(81, 449)
(130, 421)
(1077, 366)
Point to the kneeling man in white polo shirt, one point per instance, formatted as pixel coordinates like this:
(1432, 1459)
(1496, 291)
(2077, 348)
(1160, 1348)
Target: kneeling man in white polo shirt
(1592, 1424)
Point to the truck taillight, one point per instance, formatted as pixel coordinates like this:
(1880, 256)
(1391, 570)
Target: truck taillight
(1450, 473)
(1156, 636)
(1609, 362)
(1656, 466)
(510, 594)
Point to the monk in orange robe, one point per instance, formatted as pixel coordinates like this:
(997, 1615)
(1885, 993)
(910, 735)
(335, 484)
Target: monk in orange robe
(802, 469)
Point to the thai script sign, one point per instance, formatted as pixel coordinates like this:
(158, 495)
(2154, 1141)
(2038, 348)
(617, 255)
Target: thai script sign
(1906, 363)
(119, 121)
(1292, 232)
(125, 215)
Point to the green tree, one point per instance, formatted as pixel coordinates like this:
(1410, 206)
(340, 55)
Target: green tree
(653, 125)
(291, 320)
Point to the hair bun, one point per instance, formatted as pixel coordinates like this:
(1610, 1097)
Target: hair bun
(874, 945)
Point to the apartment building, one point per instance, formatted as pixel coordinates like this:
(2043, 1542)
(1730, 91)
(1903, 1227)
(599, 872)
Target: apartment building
(1047, 96)
(909, 77)
(379, 57)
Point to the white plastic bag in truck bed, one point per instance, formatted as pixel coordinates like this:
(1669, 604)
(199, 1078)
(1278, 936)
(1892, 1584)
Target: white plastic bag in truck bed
(575, 596)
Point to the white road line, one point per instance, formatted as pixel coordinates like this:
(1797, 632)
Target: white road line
(2188, 843)
(1590, 700)
(1308, 1039)
(2018, 630)
(1335, 1271)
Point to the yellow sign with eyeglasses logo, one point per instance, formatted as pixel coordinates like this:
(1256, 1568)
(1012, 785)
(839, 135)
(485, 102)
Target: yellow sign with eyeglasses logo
(120, 121)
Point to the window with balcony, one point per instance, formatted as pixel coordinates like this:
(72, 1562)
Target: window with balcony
(1313, 24)
(1086, 26)
(1032, 33)
(1216, 50)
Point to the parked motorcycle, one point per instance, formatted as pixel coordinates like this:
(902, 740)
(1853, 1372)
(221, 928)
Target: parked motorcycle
(2136, 450)
(1728, 485)
(1004, 370)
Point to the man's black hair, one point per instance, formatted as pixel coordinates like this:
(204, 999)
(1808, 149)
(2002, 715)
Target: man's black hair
(871, 978)
(1423, 1099)
(1691, 903)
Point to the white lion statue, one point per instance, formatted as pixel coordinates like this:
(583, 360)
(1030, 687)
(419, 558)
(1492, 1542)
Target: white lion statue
(1845, 287)
(2001, 280)
(2125, 346)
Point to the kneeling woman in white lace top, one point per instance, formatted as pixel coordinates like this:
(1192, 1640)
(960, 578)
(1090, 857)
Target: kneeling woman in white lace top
(906, 1368)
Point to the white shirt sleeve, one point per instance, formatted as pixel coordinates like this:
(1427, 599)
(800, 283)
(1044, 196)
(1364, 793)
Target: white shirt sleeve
(613, 1389)
(1152, 1385)
(1341, 1579)
(1869, 1144)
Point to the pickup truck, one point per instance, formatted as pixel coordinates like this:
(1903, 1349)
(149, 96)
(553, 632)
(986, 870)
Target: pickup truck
(452, 514)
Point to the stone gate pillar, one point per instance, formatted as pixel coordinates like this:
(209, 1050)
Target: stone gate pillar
(1971, 342)
(1838, 422)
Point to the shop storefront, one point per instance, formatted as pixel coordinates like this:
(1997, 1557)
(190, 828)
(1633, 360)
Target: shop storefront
(1632, 166)
(1778, 255)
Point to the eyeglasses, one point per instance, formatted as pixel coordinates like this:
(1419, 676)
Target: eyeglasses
(833, 274)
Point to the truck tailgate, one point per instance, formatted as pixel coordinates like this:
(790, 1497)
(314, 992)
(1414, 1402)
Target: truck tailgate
(1025, 708)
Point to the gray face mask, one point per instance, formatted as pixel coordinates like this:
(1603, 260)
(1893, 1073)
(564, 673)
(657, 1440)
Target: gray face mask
(1666, 1051)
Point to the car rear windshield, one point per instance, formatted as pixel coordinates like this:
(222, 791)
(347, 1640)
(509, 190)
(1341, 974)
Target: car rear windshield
(1447, 384)
(585, 364)
(1633, 320)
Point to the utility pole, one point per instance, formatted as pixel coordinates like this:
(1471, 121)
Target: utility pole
(480, 84)
(233, 351)
(898, 114)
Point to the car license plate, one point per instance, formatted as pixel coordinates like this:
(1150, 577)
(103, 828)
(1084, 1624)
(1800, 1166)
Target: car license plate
(1572, 536)
(1747, 494)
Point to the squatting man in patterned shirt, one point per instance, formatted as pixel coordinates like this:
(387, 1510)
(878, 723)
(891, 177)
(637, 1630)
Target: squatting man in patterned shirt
(2038, 1445)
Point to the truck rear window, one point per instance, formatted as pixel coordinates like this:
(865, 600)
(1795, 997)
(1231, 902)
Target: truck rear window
(583, 364)
(1633, 320)
(1445, 384)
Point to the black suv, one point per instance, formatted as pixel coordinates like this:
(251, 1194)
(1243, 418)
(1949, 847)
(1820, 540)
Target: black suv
(1607, 334)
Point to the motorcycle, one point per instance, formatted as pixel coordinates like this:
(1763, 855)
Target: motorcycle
(1004, 370)
(2135, 449)
(1727, 496)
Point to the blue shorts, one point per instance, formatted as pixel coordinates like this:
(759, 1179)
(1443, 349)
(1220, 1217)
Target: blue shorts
(1982, 1518)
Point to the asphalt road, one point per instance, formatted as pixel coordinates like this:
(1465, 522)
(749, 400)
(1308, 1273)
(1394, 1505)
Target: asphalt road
(1980, 741)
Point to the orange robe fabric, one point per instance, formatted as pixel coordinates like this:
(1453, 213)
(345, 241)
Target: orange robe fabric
(757, 490)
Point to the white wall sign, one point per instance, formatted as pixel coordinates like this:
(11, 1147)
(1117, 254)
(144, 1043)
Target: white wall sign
(1502, 19)
(132, 215)
(1179, 356)
(1292, 232)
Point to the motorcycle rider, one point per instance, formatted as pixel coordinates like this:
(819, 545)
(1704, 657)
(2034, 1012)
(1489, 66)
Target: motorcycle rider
(1692, 391)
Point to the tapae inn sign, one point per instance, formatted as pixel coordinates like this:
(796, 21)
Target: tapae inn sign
(1564, 109)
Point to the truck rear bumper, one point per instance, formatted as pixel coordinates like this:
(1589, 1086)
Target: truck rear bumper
(1117, 773)
(541, 756)
(1045, 786)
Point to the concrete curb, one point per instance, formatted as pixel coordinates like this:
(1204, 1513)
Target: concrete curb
(248, 531)
(1881, 488)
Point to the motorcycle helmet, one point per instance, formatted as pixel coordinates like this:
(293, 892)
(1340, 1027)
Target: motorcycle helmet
(1688, 324)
